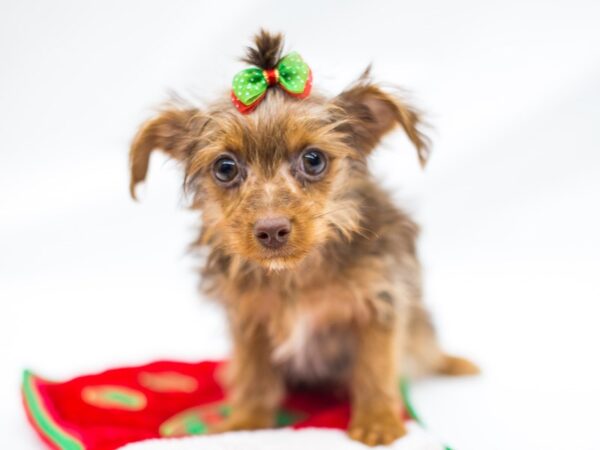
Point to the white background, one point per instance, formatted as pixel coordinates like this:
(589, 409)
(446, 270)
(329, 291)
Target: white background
(509, 204)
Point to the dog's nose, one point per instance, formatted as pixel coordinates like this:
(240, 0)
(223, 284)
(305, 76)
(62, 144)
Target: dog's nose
(272, 232)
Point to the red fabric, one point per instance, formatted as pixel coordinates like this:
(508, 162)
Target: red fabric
(271, 76)
(142, 399)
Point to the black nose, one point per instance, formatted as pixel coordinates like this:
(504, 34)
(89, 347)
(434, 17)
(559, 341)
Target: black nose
(272, 232)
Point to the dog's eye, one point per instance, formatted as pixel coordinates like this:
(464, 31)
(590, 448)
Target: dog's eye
(226, 170)
(314, 162)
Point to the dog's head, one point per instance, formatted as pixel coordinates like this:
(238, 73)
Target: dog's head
(278, 183)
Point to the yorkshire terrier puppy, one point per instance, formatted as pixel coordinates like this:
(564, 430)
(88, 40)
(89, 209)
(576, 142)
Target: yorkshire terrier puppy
(315, 265)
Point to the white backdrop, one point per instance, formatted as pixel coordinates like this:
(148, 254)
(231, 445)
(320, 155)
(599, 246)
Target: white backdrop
(509, 204)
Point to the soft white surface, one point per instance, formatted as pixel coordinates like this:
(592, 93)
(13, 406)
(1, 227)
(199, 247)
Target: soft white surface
(509, 204)
(315, 439)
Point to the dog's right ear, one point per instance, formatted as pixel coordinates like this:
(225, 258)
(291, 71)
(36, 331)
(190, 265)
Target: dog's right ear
(173, 131)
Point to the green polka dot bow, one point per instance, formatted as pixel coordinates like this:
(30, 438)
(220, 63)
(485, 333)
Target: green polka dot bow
(250, 85)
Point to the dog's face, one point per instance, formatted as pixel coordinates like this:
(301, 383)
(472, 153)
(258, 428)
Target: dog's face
(270, 183)
(277, 184)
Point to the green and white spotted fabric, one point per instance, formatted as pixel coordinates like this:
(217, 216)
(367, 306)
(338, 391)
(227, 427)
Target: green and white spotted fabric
(250, 85)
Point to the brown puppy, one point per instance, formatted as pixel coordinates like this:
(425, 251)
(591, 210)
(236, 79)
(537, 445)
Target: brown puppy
(314, 263)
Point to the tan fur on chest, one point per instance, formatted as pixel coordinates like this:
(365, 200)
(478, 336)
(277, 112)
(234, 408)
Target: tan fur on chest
(312, 331)
(313, 316)
(314, 336)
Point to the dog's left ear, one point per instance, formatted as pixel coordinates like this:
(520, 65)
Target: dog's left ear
(373, 113)
(173, 131)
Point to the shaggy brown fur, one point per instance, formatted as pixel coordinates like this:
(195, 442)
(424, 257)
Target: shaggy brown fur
(340, 301)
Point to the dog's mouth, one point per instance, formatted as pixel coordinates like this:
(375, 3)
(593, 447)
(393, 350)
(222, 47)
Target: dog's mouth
(276, 264)
(278, 260)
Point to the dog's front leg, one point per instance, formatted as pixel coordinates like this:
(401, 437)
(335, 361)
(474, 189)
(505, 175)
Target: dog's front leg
(255, 387)
(376, 407)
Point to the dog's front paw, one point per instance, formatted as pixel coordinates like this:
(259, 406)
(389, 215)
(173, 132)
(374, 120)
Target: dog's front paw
(376, 429)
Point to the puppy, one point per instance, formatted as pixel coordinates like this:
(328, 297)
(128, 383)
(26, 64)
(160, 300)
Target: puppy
(315, 265)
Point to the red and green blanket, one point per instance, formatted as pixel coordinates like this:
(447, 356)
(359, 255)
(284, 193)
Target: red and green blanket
(160, 400)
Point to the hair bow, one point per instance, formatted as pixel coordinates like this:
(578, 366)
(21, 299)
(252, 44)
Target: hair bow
(250, 85)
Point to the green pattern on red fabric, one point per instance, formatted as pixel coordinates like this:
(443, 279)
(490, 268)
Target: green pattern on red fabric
(202, 419)
(250, 85)
(114, 397)
(42, 419)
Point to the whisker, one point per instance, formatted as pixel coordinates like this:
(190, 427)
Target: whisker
(362, 231)
(330, 212)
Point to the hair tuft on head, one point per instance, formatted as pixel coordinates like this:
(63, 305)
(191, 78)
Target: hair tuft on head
(266, 51)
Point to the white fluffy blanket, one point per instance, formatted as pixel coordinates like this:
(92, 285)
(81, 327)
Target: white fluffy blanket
(288, 439)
